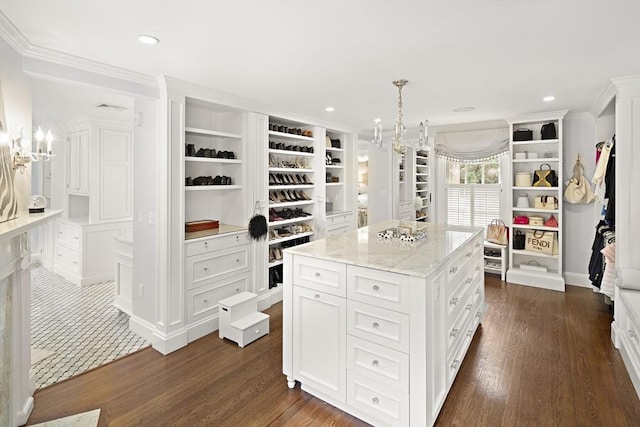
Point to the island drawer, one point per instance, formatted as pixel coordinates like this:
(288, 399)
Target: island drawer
(381, 326)
(68, 235)
(216, 243)
(320, 275)
(379, 288)
(388, 367)
(204, 267)
(68, 259)
(389, 406)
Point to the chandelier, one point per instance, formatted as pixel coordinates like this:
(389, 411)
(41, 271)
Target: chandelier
(398, 142)
(20, 153)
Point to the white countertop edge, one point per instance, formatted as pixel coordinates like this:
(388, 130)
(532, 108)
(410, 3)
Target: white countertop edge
(25, 221)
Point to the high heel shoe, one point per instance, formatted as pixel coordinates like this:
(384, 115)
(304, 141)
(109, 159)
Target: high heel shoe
(273, 197)
(277, 254)
(306, 180)
(272, 254)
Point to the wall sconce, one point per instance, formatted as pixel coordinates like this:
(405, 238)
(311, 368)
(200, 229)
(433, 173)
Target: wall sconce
(20, 153)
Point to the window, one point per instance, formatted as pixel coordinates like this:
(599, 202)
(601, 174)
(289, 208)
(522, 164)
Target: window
(473, 193)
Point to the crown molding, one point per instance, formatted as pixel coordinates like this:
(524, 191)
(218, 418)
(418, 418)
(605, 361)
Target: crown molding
(17, 40)
(603, 100)
(538, 117)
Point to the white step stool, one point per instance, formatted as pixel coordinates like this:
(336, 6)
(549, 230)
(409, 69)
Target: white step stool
(240, 320)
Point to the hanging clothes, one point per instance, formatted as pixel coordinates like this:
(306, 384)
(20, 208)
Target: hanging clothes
(605, 235)
(603, 160)
(610, 186)
(608, 284)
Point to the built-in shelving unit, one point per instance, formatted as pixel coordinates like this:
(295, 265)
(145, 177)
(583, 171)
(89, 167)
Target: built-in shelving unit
(423, 183)
(529, 267)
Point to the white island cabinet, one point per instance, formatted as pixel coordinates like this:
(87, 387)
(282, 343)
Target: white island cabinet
(379, 327)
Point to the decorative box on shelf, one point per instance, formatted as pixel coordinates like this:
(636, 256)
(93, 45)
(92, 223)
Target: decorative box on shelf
(205, 224)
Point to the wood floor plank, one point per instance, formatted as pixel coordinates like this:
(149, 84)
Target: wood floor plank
(540, 358)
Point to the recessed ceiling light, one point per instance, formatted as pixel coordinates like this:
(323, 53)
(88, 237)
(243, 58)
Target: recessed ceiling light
(147, 39)
(549, 98)
(463, 109)
(330, 109)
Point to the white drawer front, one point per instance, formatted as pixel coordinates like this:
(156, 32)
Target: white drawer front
(385, 327)
(380, 288)
(69, 235)
(203, 301)
(458, 298)
(389, 367)
(216, 243)
(389, 406)
(68, 259)
(320, 275)
(633, 337)
(339, 219)
(336, 231)
(209, 266)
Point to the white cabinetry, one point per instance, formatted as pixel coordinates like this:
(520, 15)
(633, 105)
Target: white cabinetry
(422, 161)
(381, 345)
(78, 162)
(527, 157)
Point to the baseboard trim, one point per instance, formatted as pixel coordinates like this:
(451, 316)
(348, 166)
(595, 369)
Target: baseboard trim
(577, 279)
(164, 343)
(23, 416)
(632, 369)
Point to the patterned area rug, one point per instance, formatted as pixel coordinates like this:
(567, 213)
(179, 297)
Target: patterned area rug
(77, 327)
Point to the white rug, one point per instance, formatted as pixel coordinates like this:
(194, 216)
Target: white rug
(85, 419)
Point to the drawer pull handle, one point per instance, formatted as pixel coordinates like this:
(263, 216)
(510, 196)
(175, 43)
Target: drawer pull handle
(206, 301)
(375, 363)
(453, 270)
(75, 262)
(631, 333)
(454, 333)
(455, 364)
(469, 280)
(454, 301)
(317, 296)
(376, 288)
(237, 259)
(469, 307)
(477, 267)
(376, 325)
(470, 333)
(479, 314)
(257, 331)
(206, 244)
(467, 255)
(375, 400)
(237, 289)
(317, 274)
(477, 244)
(76, 238)
(206, 269)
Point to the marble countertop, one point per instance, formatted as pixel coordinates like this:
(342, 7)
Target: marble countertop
(364, 248)
(24, 222)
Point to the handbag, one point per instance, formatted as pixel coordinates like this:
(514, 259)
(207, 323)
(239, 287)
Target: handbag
(551, 222)
(544, 242)
(548, 131)
(497, 232)
(518, 240)
(545, 177)
(521, 219)
(578, 189)
(545, 202)
(522, 135)
(536, 220)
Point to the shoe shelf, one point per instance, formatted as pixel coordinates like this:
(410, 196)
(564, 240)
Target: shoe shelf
(334, 184)
(422, 191)
(290, 221)
(211, 187)
(215, 133)
(289, 204)
(334, 167)
(291, 170)
(211, 160)
(290, 136)
(290, 186)
(535, 189)
(291, 237)
(275, 264)
(336, 150)
(535, 254)
(536, 141)
(538, 210)
(291, 153)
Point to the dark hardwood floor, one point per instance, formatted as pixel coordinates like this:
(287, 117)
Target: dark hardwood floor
(541, 358)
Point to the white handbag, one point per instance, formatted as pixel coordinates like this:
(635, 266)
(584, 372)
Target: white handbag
(578, 189)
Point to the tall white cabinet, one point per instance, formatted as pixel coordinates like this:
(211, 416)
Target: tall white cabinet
(526, 157)
(97, 199)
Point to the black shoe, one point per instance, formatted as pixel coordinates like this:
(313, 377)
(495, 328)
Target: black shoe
(201, 180)
(188, 181)
(201, 153)
(217, 180)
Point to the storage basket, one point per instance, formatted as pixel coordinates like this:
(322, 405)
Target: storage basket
(523, 179)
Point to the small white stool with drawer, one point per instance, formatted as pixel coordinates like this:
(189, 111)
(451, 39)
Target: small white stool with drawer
(240, 320)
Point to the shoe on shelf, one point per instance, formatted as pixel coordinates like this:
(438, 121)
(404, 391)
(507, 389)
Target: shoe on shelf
(201, 180)
(201, 153)
(188, 181)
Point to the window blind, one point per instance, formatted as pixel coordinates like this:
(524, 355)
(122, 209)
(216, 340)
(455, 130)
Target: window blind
(473, 205)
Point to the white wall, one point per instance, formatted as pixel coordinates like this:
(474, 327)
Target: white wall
(16, 91)
(579, 220)
(145, 146)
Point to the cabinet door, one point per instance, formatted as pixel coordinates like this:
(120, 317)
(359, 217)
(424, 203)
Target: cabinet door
(319, 341)
(78, 162)
(115, 174)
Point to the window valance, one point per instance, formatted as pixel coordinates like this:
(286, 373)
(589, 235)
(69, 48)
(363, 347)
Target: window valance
(472, 146)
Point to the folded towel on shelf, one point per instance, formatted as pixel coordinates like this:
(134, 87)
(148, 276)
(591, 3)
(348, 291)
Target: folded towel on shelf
(629, 279)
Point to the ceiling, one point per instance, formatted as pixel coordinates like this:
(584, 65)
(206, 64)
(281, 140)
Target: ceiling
(501, 57)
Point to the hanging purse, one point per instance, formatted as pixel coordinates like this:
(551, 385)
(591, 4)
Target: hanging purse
(545, 177)
(578, 189)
